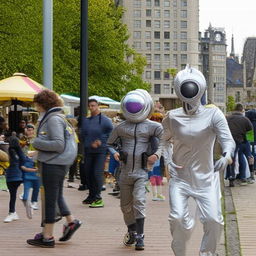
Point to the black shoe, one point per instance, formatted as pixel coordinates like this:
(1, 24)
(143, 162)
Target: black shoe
(70, 180)
(88, 200)
(130, 238)
(139, 246)
(70, 229)
(82, 188)
(40, 241)
(231, 183)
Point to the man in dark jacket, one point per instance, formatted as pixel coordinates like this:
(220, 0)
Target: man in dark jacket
(95, 132)
(239, 125)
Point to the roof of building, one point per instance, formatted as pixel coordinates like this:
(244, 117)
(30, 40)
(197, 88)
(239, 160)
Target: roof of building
(234, 73)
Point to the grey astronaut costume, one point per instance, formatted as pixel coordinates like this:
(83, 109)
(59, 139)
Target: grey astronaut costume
(193, 130)
(134, 133)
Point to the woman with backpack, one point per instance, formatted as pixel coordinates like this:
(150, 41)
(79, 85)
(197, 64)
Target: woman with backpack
(54, 159)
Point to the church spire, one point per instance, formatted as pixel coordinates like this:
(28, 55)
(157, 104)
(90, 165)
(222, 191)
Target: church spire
(232, 54)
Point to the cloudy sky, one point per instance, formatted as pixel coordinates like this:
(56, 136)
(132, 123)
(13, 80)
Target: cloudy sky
(236, 16)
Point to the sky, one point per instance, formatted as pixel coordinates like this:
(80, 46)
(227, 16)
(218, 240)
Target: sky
(236, 16)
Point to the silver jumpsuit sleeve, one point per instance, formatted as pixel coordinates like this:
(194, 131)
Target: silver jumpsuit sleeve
(165, 136)
(223, 133)
(112, 139)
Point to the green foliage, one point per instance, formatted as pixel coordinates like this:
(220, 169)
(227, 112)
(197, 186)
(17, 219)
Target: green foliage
(230, 103)
(114, 68)
(172, 71)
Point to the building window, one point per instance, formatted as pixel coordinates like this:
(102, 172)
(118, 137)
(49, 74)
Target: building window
(157, 34)
(148, 57)
(157, 2)
(184, 3)
(175, 60)
(183, 46)
(157, 46)
(172, 91)
(166, 76)
(166, 57)
(148, 3)
(157, 24)
(166, 89)
(167, 46)
(167, 13)
(166, 35)
(183, 24)
(137, 3)
(157, 57)
(148, 34)
(237, 97)
(157, 75)
(148, 74)
(157, 88)
(183, 14)
(183, 58)
(137, 45)
(137, 35)
(175, 46)
(175, 35)
(183, 35)
(137, 24)
(148, 45)
(166, 3)
(167, 24)
(157, 66)
(148, 13)
(136, 13)
(148, 23)
(175, 24)
(175, 14)
(183, 66)
(157, 13)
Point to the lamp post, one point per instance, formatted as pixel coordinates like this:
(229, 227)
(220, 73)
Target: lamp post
(47, 43)
(84, 59)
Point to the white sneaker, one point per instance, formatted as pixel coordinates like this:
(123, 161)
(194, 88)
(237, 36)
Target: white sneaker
(34, 205)
(21, 196)
(11, 216)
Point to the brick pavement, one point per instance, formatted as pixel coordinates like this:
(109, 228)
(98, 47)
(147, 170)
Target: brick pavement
(101, 233)
(244, 198)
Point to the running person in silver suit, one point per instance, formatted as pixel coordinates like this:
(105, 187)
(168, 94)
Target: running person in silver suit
(193, 130)
(135, 134)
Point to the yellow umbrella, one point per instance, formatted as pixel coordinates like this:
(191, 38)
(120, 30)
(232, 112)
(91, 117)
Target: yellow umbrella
(19, 87)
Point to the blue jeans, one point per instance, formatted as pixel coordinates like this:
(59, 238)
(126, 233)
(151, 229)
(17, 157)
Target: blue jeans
(28, 184)
(243, 149)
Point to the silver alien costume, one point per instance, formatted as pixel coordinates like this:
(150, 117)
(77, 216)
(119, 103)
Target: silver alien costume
(134, 134)
(193, 130)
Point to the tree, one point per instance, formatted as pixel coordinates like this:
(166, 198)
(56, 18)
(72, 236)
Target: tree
(230, 104)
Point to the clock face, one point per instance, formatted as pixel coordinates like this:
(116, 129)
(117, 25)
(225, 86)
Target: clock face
(218, 37)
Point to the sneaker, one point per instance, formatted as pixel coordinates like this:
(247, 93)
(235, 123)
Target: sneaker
(103, 188)
(231, 183)
(130, 238)
(21, 196)
(29, 210)
(70, 229)
(243, 182)
(159, 197)
(11, 216)
(34, 206)
(40, 241)
(70, 180)
(250, 181)
(139, 246)
(88, 200)
(97, 204)
(82, 187)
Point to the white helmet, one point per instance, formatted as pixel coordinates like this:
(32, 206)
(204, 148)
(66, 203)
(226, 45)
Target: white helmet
(137, 105)
(190, 85)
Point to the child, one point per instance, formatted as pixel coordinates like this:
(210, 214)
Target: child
(156, 179)
(14, 175)
(30, 180)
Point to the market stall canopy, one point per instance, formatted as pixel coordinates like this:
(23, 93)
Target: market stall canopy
(69, 100)
(19, 87)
